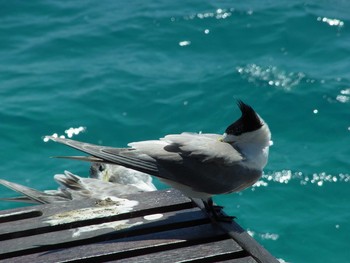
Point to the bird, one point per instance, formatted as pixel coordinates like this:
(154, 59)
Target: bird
(33, 196)
(121, 175)
(103, 182)
(200, 165)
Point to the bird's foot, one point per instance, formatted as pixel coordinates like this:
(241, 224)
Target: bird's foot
(220, 216)
(217, 213)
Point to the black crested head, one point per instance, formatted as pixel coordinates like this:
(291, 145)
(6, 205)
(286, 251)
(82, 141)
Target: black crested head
(248, 122)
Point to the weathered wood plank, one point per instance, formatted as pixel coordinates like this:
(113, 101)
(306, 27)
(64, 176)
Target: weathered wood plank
(259, 253)
(132, 246)
(248, 243)
(248, 259)
(100, 232)
(19, 214)
(164, 226)
(152, 202)
(209, 252)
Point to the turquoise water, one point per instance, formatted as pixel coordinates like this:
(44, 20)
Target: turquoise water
(136, 70)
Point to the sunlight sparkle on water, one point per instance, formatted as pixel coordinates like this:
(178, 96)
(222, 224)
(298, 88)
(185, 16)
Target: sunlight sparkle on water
(70, 133)
(270, 76)
(74, 131)
(331, 22)
(344, 96)
(268, 236)
(286, 176)
(219, 13)
(184, 43)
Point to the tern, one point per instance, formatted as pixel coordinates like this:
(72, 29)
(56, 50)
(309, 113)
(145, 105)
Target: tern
(201, 165)
(105, 180)
(121, 175)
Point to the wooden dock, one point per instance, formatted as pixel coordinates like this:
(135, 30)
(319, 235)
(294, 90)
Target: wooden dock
(160, 226)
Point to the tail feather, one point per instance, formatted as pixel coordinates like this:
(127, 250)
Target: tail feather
(91, 159)
(19, 199)
(110, 155)
(69, 181)
(30, 194)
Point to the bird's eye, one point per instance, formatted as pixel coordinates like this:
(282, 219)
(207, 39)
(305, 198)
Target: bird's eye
(101, 167)
(238, 130)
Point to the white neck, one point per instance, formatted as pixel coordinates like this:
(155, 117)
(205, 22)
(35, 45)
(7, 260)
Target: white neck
(255, 147)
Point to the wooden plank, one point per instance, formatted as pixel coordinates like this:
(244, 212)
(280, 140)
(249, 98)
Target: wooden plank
(259, 253)
(152, 202)
(129, 247)
(19, 214)
(248, 259)
(207, 252)
(237, 233)
(100, 232)
(162, 225)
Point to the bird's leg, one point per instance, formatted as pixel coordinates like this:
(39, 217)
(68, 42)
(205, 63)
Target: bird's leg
(216, 211)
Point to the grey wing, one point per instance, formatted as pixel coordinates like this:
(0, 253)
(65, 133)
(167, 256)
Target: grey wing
(189, 159)
(205, 147)
(31, 195)
(202, 147)
(127, 157)
(205, 163)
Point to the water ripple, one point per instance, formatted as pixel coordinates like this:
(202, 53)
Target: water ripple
(217, 14)
(286, 176)
(331, 22)
(270, 76)
(344, 96)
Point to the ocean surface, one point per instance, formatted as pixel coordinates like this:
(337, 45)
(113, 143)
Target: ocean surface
(137, 70)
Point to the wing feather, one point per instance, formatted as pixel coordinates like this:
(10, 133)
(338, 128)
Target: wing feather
(205, 147)
(31, 194)
(123, 156)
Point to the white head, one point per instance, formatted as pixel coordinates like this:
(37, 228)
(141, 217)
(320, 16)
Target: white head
(250, 135)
